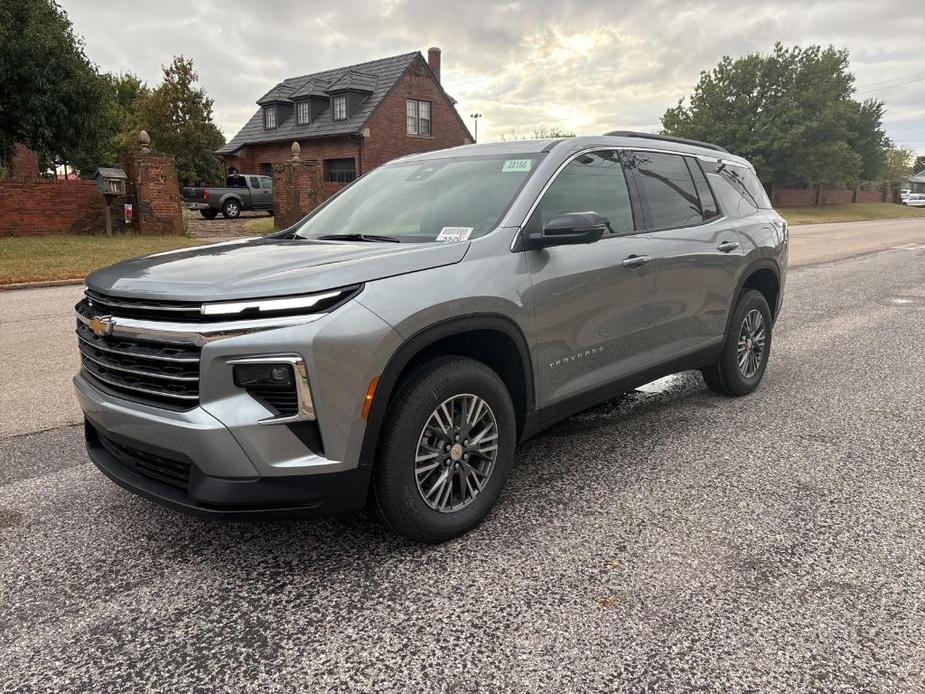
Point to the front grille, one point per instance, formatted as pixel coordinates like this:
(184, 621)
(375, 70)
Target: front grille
(175, 473)
(157, 373)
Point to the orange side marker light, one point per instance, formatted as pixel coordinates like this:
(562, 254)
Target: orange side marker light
(370, 394)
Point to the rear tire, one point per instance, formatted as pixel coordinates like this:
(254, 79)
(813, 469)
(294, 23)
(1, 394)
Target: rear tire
(231, 209)
(209, 214)
(742, 363)
(415, 449)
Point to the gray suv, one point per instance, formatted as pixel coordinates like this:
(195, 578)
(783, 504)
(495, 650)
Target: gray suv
(393, 347)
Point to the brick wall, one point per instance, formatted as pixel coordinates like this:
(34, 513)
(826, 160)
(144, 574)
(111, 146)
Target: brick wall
(50, 207)
(249, 159)
(807, 197)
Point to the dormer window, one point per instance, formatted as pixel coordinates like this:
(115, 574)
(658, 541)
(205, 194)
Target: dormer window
(303, 115)
(339, 107)
(269, 117)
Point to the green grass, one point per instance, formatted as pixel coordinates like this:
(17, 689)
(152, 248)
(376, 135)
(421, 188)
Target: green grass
(261, 225)
(74, 256)
(853, 212)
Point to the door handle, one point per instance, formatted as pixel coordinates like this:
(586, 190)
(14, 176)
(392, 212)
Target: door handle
(727, 246)
(634, 261)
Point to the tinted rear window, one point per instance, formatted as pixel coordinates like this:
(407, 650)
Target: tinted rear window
(668, 189)
(743, 180)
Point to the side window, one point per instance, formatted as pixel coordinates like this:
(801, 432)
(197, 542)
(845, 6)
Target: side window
(732, 201)
(731, 186)
(593, 182)
(668, 189)
(266, 182)
(255, 183)
(707, 201)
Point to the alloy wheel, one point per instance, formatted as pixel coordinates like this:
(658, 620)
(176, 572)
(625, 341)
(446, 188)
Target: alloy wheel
(456, 453)
(752, 338)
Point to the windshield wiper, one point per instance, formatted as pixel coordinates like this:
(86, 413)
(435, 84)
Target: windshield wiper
(359, 237)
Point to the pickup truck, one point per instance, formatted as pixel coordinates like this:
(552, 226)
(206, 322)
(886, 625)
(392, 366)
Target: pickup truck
(241, 192)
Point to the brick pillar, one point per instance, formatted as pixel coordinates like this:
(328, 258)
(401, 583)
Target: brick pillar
(298, 188)
(153, 187)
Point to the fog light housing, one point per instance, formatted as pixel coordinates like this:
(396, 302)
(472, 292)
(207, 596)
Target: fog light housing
(267, 375)
(279, 383)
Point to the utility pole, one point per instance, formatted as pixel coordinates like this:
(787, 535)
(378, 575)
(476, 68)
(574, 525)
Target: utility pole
(475, 117)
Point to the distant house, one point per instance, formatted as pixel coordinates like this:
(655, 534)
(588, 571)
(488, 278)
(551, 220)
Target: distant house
(352, 119)
(917, 182)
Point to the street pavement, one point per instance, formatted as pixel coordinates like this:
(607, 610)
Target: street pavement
(670, 540)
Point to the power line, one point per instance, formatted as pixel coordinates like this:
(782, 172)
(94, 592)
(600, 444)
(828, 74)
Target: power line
(892, 79)
(890, 86)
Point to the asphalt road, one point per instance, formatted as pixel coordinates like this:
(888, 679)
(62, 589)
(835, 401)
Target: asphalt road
(672, 540)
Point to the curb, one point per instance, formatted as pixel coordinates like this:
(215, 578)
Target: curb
(39, 285)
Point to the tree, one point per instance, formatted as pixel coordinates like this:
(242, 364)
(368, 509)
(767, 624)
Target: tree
(919, 164)
(121, 91)
(791, 113)
(52, 99)
(898, 164)
(178, 116)
(540, 132)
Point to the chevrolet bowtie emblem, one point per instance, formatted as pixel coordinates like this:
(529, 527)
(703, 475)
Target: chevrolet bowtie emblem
(101, 325)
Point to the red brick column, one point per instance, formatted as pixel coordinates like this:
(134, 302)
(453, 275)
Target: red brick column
(298, 188)
(152, 183)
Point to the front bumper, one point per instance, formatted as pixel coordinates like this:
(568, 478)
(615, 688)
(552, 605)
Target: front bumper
(170, 479)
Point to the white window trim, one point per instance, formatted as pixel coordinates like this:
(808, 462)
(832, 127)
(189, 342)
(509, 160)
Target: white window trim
(416, 132)
(298, 113)
(267, 110)
(334, 101)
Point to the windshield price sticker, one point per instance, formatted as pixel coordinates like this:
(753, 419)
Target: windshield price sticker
(454, 234)
(517, 166)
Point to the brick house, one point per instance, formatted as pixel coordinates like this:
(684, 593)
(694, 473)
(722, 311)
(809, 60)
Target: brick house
(352, 119)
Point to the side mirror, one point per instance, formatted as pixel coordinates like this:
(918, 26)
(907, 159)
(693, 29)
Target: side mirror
(570, 228)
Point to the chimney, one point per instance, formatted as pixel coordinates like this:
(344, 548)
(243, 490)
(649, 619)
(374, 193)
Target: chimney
(433, 59)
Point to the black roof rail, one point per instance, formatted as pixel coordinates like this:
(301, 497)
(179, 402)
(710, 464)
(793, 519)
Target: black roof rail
(665, 138)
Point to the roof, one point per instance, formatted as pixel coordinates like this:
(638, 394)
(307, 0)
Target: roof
(109, 172)
(376, 77)
(918, 178)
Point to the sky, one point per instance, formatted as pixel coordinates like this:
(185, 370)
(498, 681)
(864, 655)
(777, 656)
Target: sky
(580, 65)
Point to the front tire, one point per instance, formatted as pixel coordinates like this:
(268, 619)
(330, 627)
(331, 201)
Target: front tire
(231, 209)
(742, 363)
(447, 450)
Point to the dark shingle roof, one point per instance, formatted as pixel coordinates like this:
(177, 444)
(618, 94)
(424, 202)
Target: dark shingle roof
(375, 77)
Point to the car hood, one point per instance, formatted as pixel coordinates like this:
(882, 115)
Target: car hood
(262, 267)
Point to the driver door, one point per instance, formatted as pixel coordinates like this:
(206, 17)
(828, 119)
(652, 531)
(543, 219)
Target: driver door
(594, 319)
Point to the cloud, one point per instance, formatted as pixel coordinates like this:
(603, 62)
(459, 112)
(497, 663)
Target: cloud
(588, 66)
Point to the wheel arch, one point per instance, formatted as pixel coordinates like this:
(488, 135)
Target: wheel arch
(493, 339)
(763, 276)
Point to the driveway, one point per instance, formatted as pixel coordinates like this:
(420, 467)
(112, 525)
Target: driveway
(671, 539)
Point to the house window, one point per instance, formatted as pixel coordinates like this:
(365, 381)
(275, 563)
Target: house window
(269, 117)
(340, 107)
(340, 170)
(418, 116)
(302, 113)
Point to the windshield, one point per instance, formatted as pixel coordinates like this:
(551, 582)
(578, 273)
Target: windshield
(436, 200)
